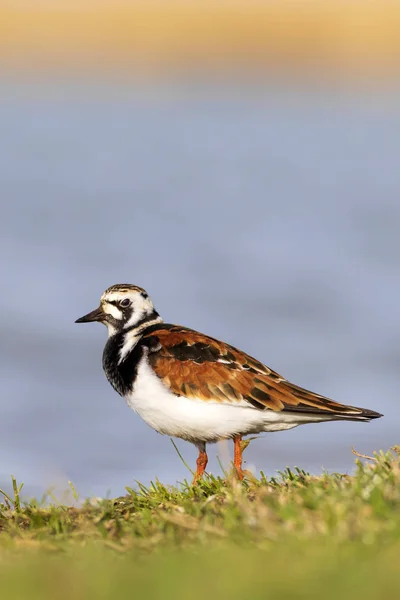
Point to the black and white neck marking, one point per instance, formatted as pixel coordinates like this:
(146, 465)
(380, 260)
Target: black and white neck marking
(128, 313)
(122, 355)
(132, 336)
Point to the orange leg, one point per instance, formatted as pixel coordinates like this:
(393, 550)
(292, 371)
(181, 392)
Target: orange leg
(237, 456)
(201, 462)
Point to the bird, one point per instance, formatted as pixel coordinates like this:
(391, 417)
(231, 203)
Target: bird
(188, 385)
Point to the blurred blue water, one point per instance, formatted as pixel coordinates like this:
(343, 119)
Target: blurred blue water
(268, 217)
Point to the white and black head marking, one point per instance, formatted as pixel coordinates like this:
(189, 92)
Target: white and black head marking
(123, 307)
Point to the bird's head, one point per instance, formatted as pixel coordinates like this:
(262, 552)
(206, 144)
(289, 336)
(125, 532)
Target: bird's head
(123, 307)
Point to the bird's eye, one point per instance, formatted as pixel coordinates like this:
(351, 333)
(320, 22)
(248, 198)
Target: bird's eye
(125, 302)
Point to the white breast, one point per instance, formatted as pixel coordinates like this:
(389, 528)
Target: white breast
(199, 420)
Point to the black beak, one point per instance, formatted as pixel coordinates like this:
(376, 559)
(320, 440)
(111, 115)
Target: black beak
(95, 315)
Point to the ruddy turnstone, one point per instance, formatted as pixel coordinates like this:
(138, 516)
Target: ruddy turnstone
(189, 385)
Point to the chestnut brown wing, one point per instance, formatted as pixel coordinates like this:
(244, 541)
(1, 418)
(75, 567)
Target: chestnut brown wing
(197, 366)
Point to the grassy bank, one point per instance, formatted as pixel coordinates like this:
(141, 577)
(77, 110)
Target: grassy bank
(294, 535)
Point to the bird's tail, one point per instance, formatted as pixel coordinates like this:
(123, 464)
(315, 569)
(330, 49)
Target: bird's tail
(314, 404)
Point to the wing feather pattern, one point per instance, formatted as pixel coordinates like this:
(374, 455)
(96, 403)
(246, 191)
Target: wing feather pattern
(197, 366)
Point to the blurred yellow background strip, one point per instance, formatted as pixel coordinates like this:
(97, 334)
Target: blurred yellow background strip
(147, 36)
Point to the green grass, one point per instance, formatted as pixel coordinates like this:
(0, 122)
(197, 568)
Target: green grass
(292, 536)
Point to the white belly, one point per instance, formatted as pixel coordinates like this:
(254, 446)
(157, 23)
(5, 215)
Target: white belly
(199, 420)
